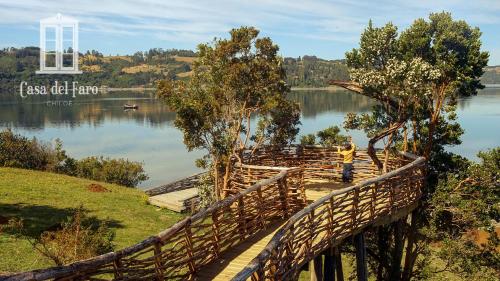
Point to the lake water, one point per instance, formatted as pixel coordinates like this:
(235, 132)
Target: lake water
(98, 125)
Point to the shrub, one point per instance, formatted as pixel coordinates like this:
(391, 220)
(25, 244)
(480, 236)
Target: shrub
(331, 136)
(119, 171)
(309, 139)
(328, 137)
(79, 238)
(20, 152)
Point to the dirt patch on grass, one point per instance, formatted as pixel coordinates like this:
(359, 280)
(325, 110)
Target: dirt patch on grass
(95, 187)
(4, 220)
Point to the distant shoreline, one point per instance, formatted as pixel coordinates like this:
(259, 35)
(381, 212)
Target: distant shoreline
(328, 88)
(143, 89)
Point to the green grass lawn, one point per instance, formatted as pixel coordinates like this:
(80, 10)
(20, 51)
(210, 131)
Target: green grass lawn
(43, 200)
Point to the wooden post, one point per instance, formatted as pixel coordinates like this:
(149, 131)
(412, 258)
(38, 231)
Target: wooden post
(260, 206)
(117, 265)
(317, 268)
(282, 186)
(242, 220)
(361, 268)
(189, 249)
(338, 264)
(354, 212)
(215, 231)
(329, 272)
(158, 261)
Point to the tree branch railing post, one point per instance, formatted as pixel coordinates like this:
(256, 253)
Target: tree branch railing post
(355, 205)
(158, 261)
(216, 234)
(242, 223)
(283, 191)
(189, 246)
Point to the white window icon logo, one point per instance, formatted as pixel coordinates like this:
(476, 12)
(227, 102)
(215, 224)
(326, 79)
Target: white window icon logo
(59, 45)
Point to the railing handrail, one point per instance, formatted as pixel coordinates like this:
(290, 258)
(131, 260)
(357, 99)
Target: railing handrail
(253, 266)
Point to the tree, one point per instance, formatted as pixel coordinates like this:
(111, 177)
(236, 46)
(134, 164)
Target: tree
(416, 78)
(233, 81)
(380, 71)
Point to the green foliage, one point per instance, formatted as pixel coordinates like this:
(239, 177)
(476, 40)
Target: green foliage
(43, 200)
(331, 136)
(467, 201)
(309, 139)
(20, 65)
(119, 171)
(233, 81)
(310, 71)
(79, 237)
(416, 78)
(328, 137)
(206, 190)
(21, 152)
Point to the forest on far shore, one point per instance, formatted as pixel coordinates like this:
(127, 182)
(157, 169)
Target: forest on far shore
(145, 68)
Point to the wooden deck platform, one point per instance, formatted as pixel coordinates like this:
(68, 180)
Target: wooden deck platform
(177, 201)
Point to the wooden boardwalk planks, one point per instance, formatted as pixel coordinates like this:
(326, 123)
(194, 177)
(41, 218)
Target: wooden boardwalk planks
(177, 201)
(233, 261)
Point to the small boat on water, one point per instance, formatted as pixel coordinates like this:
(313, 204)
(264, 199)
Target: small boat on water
(130, 106)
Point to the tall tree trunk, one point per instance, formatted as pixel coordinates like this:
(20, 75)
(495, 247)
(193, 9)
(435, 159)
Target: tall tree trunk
(217, 180)
(225, 185)
(397, 251)
(411, 253)
(371, 143)
(382, 245)
(386, 151)
(405, 139)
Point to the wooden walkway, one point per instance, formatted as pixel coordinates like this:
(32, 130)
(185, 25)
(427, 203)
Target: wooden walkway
(237, 238)
(232, 262)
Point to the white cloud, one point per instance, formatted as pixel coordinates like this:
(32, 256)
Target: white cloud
(199, 21)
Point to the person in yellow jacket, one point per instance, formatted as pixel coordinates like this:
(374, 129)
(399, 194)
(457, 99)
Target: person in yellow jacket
(348, 153)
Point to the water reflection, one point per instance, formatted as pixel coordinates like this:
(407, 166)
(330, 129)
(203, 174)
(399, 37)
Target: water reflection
(36, 113)
(98, 125)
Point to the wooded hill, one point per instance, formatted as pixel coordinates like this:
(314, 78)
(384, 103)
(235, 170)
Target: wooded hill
(144, 68)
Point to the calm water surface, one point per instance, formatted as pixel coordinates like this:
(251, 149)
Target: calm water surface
(99, 126)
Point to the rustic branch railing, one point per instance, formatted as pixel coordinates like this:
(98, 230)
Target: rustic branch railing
(340, 214)
(261, 195)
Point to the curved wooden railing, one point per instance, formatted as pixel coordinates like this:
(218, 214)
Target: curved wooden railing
(340, 214)
(261, 196)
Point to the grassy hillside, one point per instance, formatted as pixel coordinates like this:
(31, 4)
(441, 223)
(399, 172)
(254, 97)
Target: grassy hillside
(43, 200)
(491, 75)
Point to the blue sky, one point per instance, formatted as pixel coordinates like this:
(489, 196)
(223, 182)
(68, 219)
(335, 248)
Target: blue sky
(326, 29)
